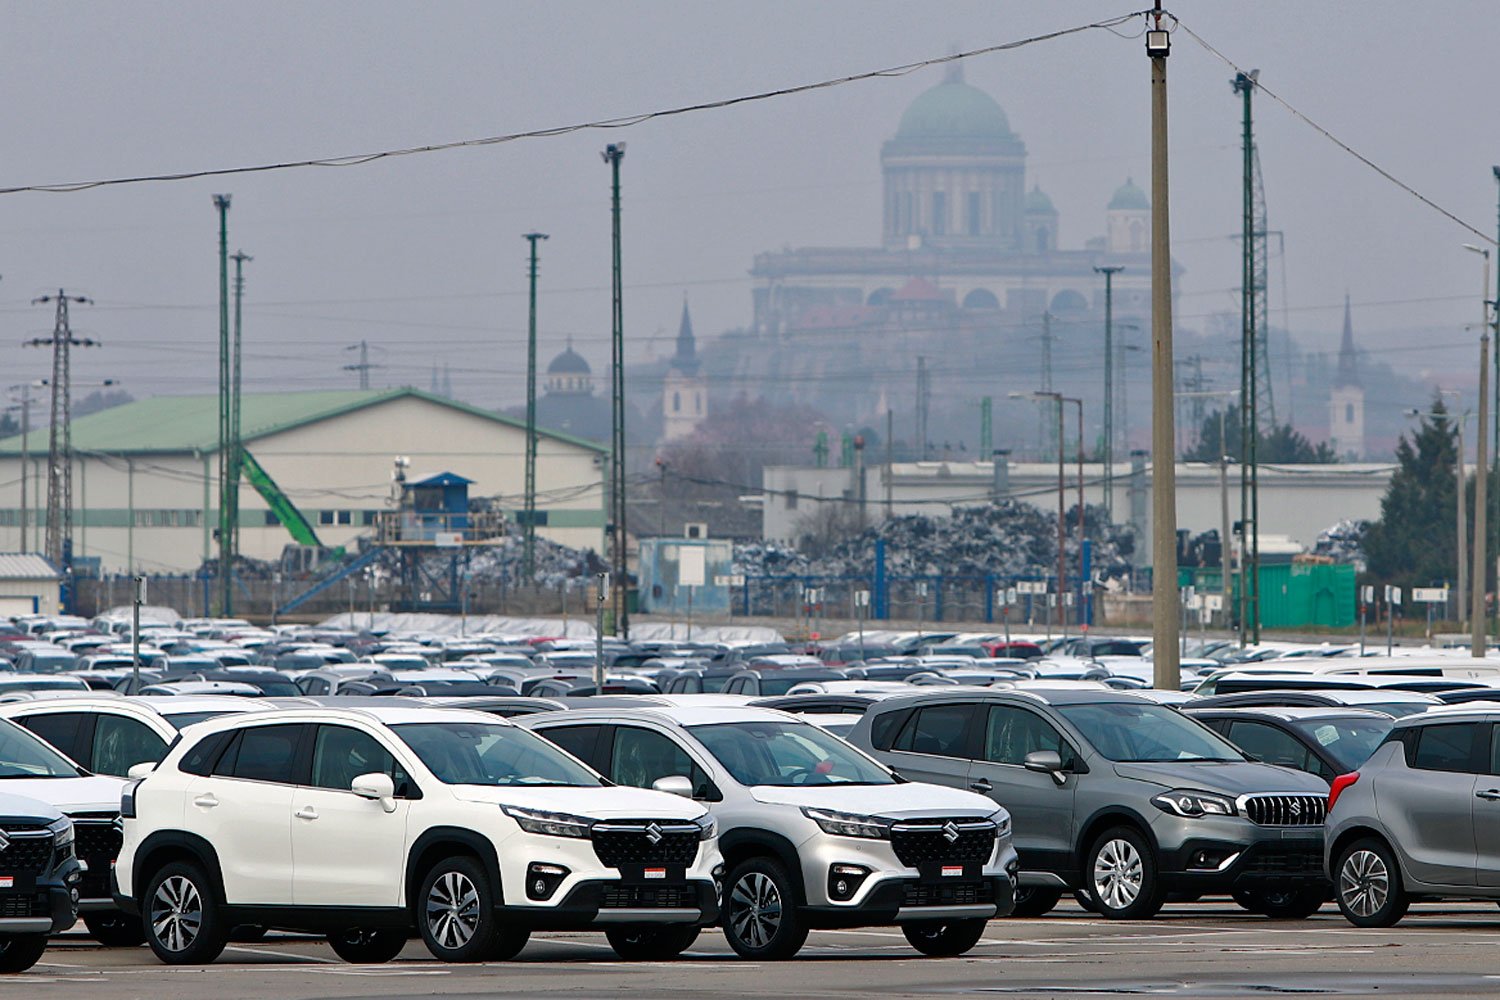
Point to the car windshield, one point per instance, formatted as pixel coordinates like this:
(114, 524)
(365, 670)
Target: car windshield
(787, 753)
(1140, 732)
(1348, 741)
(476, 753)
(714, 683)
(24, 756)
(773, 685)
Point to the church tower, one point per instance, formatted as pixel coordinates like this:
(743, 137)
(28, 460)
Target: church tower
(1346, 401)
(684, 396)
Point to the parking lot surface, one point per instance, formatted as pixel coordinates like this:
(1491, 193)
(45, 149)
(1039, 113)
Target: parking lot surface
(1207, 949)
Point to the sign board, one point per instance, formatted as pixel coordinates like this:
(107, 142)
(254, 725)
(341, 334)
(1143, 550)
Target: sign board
(732, 580)
(1392, 595)
(1213, 602)
(1194, 601)
(1031, 586)
(861, 598)
(448, 539)
(1429, 595)
(692, 566)
(1068, 599)
(1367, 593)
(922, 588)
(1010, 595)
(1051, 600)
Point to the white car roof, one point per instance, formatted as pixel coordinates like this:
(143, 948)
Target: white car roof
(395, 715)
(676, 715)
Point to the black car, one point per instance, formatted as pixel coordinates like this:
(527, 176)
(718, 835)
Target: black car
(1396, 704)
(1326, 741)
(764, 683)
(819, 704)
(38, 886)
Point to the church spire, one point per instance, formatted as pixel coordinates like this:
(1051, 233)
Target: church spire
(1348, 356)
(686, 358)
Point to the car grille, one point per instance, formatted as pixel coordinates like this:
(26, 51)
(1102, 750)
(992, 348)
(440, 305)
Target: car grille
(646, 842)
(1286, 810)
(1268, 859)
(28, 853)
(966, 894)
(649, 897)
(23, 906)
(944, 841)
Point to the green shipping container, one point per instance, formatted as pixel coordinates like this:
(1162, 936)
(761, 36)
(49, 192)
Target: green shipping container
(1293, 595)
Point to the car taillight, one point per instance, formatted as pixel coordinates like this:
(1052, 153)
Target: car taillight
(1340, 783)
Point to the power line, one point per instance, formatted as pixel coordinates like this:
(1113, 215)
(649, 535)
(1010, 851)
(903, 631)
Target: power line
(624, 121)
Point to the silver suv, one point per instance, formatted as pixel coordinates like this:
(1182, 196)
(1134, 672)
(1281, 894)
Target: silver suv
(1114, 795)
(1420, 819)
(814, 833)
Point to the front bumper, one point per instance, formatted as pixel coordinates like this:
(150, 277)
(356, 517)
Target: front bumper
(1222, 854)
(48, 908)
(608, 901)
(906, 900)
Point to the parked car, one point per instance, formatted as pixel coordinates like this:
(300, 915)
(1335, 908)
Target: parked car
(1396, 704)
(1113, 794)
(38, 897)
(1420, 819)
(762, 683)
(814, 833)
(1326, 742)
(460, 825)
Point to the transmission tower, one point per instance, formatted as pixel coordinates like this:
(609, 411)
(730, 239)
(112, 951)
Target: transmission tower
(59, 540)
(529, 554)
(364, 366)
(1260, 271)
(236, 443)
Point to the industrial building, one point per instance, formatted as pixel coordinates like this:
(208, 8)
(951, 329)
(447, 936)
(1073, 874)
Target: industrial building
(145, 479)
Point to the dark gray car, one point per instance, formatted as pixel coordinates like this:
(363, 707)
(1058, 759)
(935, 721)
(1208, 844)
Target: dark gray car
(1115, 795)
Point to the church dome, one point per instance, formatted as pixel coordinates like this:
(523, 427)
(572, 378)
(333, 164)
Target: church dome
(954, 110)
(1037, 201)
(1129, 197)
(569, 362)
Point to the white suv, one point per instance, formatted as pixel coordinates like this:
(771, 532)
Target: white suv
(365, 823)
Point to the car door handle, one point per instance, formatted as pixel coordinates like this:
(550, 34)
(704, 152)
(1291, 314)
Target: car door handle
(306, 812)
(982, 785)
(1492, 794)
(206, 801)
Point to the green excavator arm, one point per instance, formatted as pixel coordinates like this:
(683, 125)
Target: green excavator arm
(286, 512)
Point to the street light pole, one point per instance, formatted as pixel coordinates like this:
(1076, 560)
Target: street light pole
(1109, 386)
(1478, 640)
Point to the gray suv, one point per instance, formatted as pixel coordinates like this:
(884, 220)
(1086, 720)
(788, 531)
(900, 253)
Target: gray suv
(1420, 819)
(814, 833)
(1114, 795)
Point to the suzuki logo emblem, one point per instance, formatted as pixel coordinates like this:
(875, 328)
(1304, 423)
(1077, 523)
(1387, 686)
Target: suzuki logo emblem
(4, 841)
(654, 834)
(1296, 808)
(950, 832)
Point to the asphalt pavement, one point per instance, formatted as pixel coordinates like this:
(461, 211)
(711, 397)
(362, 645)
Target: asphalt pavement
(1199, 950)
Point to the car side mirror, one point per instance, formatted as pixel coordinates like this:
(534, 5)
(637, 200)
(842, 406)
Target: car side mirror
(1046, 762)
(378, 787)
(138, 771)
(674, 784)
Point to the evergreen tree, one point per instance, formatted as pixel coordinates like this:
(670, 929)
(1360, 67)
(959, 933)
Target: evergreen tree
(1413, 542)
(1284, 445)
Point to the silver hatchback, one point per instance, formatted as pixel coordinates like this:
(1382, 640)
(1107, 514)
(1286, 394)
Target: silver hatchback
(1420, 819)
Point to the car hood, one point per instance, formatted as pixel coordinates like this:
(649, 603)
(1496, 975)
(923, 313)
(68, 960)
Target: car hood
(1234, 778)
(603, 802)
(903, 801)
(97, 793)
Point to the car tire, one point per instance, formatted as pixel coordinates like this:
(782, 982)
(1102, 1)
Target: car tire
(114, 929)
(1367, 885)
(1122, 875)
(456, 912)
(760, 912)
(944, 939)
(364, 946)
(181, 916)
(651, 942)
(1035, 901)
(1282, 904)
(1083, 899)
(19, 952)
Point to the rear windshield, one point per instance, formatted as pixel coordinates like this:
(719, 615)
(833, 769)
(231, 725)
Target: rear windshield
(1348, 741)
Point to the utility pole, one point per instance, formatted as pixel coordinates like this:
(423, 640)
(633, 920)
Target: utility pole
(890, 459)
(364, 366)
(1478, 640)
(613, 154)
(1164, 600)
(1495, 456)
(24, 405)
(923, 403)
(986, 426)
(236, 443)
(1244, 85)
(226, 531)
(59, 540)
(529, 553)
(1109, 273)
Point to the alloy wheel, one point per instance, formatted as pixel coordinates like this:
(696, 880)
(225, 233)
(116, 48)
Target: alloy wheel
(1364, 883)
(1117, 874)
(176, 913)
(755, 909)
(453, 910)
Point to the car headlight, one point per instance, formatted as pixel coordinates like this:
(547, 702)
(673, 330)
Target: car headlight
(62, 832)
(1193, 804)
(1001, 819)
(550, 824)
(708, 828)
(849, 824)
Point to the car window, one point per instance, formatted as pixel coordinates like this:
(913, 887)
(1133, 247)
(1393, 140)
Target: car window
(470, 753)
(1143, 732)
(787, 753)
(1350, 742)
(341, 754)
(642, 756)
(120, 743)
(61, 729)
(579, 741)
(200, 758)
(937, 729)
(261, 753)
(1271, 745)
(1011, 733)
(23, 755)
(1448, 747)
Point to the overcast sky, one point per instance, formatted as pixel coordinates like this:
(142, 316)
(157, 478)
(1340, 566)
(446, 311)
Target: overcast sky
(423, 256)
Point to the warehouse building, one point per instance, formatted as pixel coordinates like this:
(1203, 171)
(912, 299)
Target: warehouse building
(29, 585)
(145, 475)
